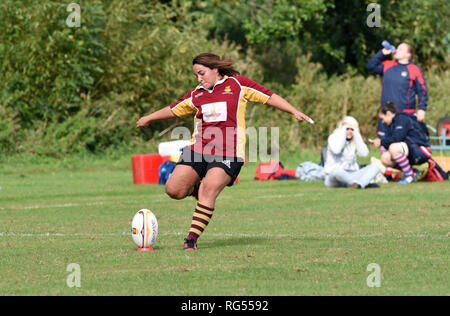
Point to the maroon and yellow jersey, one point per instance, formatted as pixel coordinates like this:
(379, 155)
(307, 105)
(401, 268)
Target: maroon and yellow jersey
(220, 114)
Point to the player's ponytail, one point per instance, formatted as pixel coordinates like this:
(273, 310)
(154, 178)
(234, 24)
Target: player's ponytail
(212, 61)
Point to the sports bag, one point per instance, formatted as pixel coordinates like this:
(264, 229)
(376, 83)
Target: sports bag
(435, 172)
(165, 171)
(310, 171)
(273, 170)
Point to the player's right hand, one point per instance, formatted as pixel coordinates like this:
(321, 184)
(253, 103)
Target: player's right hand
(143, 122)
(386, 51)
(377, 142)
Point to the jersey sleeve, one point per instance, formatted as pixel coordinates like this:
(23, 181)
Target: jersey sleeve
(375, 64)
(253, 91)
(184, 107)
(421, 89)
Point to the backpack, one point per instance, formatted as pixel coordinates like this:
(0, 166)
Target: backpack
(323, 156)
(273, 170)
(165, 171)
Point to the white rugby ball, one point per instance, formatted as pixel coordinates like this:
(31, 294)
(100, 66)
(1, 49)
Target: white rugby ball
(144, 228)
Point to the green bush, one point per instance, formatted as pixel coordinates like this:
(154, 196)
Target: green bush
(66, 90)
(76, 89)
(49, 66)
(9, 131)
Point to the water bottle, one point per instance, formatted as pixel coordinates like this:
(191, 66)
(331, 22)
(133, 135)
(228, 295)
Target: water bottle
(387, 45)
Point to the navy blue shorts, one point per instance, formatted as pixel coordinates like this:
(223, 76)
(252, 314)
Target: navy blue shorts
(203, 163)
(418, 154)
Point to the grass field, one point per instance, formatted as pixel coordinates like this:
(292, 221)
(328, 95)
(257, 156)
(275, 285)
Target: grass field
(266, 238)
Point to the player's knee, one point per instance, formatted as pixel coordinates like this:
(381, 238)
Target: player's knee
(386, 159)
(175, 192)
(395, 149)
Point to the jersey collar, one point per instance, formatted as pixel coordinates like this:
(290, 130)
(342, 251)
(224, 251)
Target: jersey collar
(216, 84)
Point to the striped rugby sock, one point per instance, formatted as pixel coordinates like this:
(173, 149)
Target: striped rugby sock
(403, 162)
(200, 220)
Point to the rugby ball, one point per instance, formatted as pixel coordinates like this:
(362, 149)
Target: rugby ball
(144, 228)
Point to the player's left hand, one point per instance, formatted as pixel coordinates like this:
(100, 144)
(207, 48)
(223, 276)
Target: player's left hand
(301, 116)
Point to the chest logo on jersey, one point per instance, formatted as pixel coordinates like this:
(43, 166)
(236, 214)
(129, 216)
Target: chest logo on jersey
(227, 90)
(404, 73)
(214, 112)
(198, 94)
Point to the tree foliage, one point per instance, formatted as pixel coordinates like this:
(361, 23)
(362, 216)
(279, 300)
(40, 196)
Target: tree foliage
(336, 33)
(65, 90)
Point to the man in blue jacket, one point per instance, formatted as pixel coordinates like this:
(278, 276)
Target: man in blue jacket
(404, 143)
(402, 83)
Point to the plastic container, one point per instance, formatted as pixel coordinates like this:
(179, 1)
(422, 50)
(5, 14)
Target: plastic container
(172, 148)
(146, 167)
(388, 45)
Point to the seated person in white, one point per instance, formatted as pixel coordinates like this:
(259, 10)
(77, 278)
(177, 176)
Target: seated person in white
(341, 166)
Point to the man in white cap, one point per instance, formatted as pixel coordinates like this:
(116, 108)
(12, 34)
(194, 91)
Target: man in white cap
(341, 165)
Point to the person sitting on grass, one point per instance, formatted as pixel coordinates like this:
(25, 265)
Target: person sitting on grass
(341, 166)
(404, 145)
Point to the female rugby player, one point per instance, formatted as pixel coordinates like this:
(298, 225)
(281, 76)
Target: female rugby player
(216, 156)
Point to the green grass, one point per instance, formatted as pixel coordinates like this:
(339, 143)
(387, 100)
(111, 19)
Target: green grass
(266, 238)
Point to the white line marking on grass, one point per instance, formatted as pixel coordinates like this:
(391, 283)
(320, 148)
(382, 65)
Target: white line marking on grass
(326, 236)
(12, 234)
(236, 235)
(61, 205)
(34, 207)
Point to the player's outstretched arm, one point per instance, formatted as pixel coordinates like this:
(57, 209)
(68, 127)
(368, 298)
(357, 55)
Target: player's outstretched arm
(163, 114)
(278, 102)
